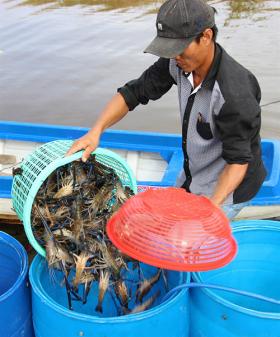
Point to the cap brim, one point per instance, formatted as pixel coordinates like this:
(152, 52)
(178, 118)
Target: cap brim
(166, 47)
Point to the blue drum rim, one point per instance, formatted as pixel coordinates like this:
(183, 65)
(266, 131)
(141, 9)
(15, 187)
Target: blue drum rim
(21, 252)
(241, 226)
(39, 291)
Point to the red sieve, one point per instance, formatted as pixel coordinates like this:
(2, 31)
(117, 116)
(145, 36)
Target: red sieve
(172, 229)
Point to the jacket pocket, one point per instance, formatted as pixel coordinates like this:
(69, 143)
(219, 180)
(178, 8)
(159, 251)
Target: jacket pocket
(204, 129)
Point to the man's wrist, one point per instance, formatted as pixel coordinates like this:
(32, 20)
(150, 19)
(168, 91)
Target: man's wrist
(96, 130)
(217, 201)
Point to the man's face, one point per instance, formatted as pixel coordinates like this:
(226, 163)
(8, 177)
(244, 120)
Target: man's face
(195, 54)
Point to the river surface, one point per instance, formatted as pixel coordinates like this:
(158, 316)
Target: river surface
(61, 61)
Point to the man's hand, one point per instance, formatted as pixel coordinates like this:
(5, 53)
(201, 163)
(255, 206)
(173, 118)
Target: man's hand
(88, 142)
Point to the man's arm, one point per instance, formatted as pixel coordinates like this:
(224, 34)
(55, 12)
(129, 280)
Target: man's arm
(230, 178)
(237, 124)
(114, 111)
(152, 84)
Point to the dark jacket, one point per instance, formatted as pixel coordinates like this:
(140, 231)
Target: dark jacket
(220, 122)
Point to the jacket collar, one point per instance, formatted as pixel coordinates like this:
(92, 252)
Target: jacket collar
(210, 78)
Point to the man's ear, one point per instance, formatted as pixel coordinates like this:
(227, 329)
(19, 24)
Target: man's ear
(207, 36)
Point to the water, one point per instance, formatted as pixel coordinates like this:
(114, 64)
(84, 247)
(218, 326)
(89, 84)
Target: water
(61, 61)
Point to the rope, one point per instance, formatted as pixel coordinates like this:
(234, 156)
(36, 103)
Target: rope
(274, 102)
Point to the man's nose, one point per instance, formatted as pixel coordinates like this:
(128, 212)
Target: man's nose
(177, 58)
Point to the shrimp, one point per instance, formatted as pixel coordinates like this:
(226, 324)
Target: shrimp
(122, 293)
(144, 306)
(81, 261)
(146, 286)
(109, 260)
(66, 189)
(103, 286)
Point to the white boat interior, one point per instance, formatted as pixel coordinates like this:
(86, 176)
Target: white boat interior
(146, 166)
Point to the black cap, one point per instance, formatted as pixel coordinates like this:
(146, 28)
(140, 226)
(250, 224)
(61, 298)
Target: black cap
(178, 23)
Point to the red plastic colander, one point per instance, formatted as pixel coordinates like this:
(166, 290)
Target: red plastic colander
(172, 229)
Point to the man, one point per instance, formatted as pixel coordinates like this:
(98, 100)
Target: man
(219, 105)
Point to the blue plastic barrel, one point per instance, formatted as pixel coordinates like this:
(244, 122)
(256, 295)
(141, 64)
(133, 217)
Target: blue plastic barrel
(51, 316)
(15, 302)
(256, 269)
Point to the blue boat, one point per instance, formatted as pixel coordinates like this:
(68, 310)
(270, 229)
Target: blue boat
(155, 158)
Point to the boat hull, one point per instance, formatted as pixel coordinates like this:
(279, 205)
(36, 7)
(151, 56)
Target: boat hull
(155, 158)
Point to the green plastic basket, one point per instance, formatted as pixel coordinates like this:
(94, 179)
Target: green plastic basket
(41, 163)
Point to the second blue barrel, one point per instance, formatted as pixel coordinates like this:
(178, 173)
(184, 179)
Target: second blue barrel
(51, 316)
(15, 301)
(256, 269)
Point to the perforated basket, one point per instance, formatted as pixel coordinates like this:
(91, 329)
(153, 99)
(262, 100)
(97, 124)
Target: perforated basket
(172, 229)
(41, 163)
